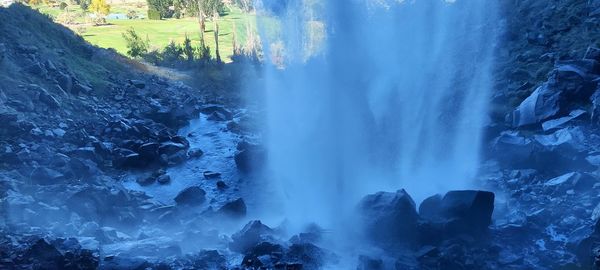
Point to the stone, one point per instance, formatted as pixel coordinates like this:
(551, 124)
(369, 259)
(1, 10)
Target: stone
(595, 98)
(250, 158)
(564, 139)
(465, 212)
(211, 175)
(513, 149)
(146, 181)
(65, 81)
(78, 88)
(253, 233)
(233, 209)
(430, 207)
(221, 184)
(126, 158)
(195, 153)
(560, 122)
(163, 179)
(138, 83)
(573, 180)
(389, 218)
(217, 112)
(170, 148)
(542, 104)
(193, 195)
(369, 263)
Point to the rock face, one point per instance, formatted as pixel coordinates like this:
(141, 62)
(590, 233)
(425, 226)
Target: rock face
(389, 218)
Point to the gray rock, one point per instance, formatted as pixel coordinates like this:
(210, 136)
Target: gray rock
(46, 176)
(560, 122)
(542, 104)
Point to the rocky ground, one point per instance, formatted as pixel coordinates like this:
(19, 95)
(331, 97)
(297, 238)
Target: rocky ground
(99, 167)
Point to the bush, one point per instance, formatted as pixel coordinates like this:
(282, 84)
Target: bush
(188, 50)
(65, 18)
(136, 46)
(153, 14)
(84, 4)
(172, 53)
(131, 14)
(63, 6)
(99, 7)
(203, 53)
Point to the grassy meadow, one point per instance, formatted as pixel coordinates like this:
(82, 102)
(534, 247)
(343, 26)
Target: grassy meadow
(158, 32)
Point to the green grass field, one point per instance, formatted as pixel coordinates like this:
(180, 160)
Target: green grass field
(159, 32)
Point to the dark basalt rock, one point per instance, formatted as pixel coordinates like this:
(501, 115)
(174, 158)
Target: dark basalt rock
(233, 209)
(389, 218)
(466, 212)
(46, 176)
(191, 196)
(251, 235)
(250, 158)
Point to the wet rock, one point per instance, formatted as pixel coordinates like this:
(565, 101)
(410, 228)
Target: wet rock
(309, 255)
(146, 181)
(211, 175)
(389, 218)
(250, 158)
(125, 158)
(217, 113)
(368, 263)
(149, 151)
(195, 153)
(78, 88)
(233, 209)
(461, 212)
(251, 235)
(191, 196)
(209, 259)
(221, 184)
(124, 263)
(170, 148)
(163, 179)
(566, 139)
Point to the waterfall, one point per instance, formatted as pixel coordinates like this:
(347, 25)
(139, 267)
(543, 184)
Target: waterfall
(394, 96)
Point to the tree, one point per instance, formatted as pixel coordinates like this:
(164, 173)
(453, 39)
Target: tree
(207, 9)
(99, 7)
(162, 6)
(136, 46)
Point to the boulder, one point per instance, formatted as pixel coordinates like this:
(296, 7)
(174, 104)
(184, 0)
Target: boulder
(211, 175)
(193, 195)
(572, 180)
(170, 148)
(389, 218)
(542, 104)
(561, 122)
(233, 209)
(126, 158)
(250, 158)
(513, 149)
(65, 81)
(251, 235)
(460, 212)
(138, 83)
(592, 53)
(46, 255)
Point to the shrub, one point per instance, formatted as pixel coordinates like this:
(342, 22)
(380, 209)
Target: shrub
(136, 46)
(188, 50)
(63, 6)
(203, 53)
(153, 14)
(131, 14)
(172, 53)
(84, 4)
(65, 18)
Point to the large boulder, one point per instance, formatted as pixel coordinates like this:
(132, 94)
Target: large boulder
(389, 218)
(233, 209)
(542, 104)
(250, 157)
(193, 195)
(250, 236)
(458, 212)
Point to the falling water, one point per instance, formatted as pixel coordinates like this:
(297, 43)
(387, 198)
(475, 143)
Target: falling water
(394, 98)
